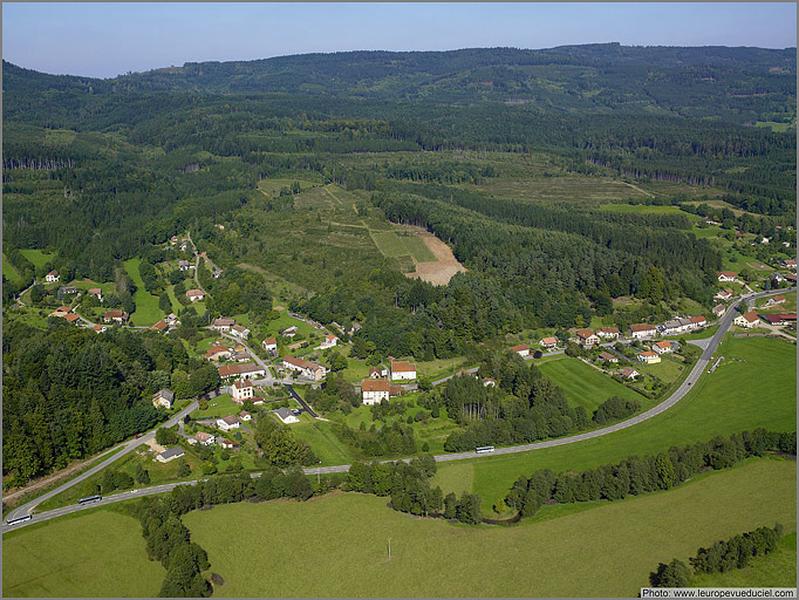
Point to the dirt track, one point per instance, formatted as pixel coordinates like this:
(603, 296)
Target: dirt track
(441, 270)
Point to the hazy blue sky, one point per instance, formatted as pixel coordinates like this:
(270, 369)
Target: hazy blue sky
(108, 39)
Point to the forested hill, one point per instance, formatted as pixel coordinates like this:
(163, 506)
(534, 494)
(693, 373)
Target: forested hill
(734, 84)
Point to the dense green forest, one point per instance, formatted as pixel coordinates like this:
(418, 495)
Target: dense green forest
(98, 171)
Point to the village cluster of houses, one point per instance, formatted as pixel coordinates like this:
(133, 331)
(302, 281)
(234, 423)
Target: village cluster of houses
(381, 382)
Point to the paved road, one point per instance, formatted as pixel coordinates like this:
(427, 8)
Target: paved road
(696, 372)
(127, 448)
(302, 402)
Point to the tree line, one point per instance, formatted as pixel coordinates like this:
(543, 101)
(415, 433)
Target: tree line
(638, 475)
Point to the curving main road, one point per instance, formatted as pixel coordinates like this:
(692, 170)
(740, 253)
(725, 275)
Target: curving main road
(696, 372)
(127, 448)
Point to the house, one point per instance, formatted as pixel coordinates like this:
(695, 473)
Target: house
(305, 368)
(675, 326)
(608, 333)
(270, 345)
(169, 454)
(662, 347)
(202, 438)
(522, 350)
(697, 321)
(257, 400)
(240, 356)
(195, 295)
(285, 415)
(240, 332)
(489, 382)
(725, 276)
(66, 290)
(719, 310)
(649, 357)
(217, 352)
(354, 328)
(775, 300)
(160, 326)
(289, 332)
(642, 331)
(241, 390)
(549, 343)
(228, 444)
(402, 370)
(72, 318)
(245, 416)
(586, 338)
(99, 328)
(378, 372)
(184, 265)
(223, 323)
(724, 294)
(228, 423)
(216, 273)
(171, 319)
(374, 391)
(779, 319)
(608, 357)
(184, 245)
(629, 373)
(164, 398)
(115, 315)
(330, 341)
(242, 371)
(97, 293)
(52, 277)
(789, 264)
(747, 320)
(61, 312)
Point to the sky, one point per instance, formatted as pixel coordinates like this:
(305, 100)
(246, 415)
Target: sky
(105, 40)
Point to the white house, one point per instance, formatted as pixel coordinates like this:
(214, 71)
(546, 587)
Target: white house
(719, 310)
(163, 398)
(97, 293)
(52, 277)
(586, 338)
(775, 301)
(697, 322)
(522, 350)
(330, 341)
(649, 357)
(724, 294)
(284, 414)
(241, 371)
(240, 332)
(289, 332)
(374, 391)
(202, 438)
(629, 373)
(305, 368)
(748, 320)
(169, 454)
(217, 352)
(270, 345)
(608, 333)
(663, 347)
(223, 323)
(241, 390)
(549, 343)
(228, 423)
(402, 370)
(675, 326)
(378, 372)
(642, 331)
(245, 416)
(184, 265)
(726, 276)
(228, 444)
(195, 295)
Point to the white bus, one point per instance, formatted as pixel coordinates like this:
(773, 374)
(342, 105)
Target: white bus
(90, 499)
(484, 449)
(17, 520)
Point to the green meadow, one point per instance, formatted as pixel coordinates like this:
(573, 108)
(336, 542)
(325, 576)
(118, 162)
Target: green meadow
(147, 311)
(345, 537)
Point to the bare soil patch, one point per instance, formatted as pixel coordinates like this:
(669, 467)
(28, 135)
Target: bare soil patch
(441, 270)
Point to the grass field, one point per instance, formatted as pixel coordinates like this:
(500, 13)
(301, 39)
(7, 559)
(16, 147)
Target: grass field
(323, 441)
(777, 569)
(394, 244)
(221, 406)
(10, 272)
(739, 395)
(98, 553)
(37, 257)
(345, 537)
(586, 386)
(147, 311)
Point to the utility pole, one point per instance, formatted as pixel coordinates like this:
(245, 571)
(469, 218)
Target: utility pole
(389, 548)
